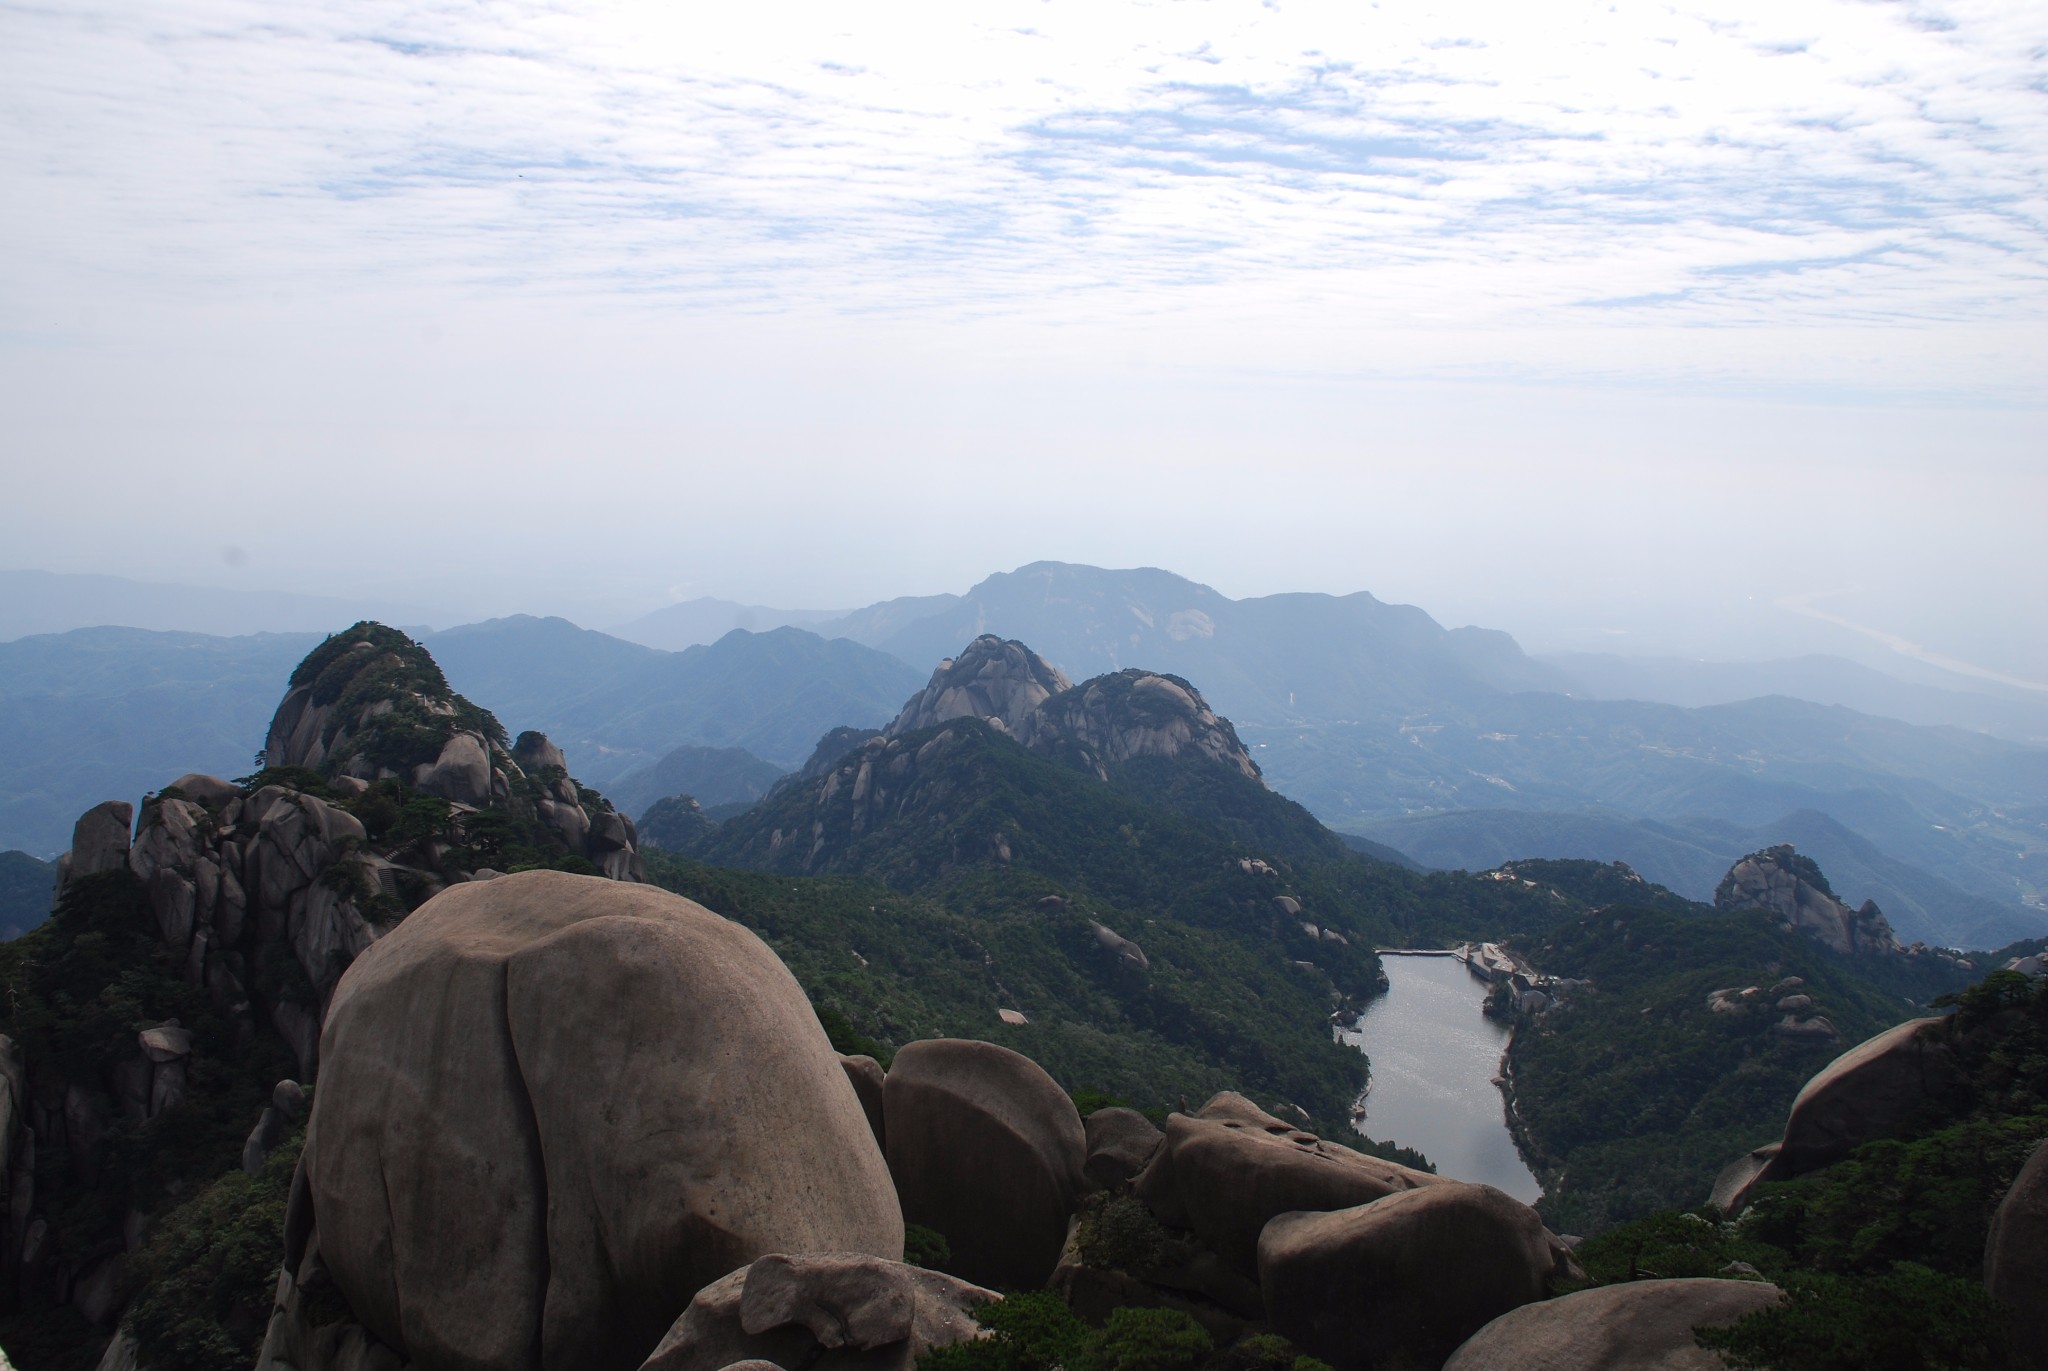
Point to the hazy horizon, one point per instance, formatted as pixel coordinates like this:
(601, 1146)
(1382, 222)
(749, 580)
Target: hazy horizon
(1597, 324)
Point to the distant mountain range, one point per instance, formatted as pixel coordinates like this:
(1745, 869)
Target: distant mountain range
(1450, 744)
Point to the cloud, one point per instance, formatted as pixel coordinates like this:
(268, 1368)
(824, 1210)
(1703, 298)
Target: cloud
(1816, 163)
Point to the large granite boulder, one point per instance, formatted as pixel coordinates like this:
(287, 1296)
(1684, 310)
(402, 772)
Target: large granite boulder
(1639, 1326)
(987, 1149)
(2016, 1254)
(1121, 1144)
(99, 840)
(835, 1311)
(1876, 1089)
(1227, 1169)
(1401, 1282)
(553, 1107)
(868, 1081)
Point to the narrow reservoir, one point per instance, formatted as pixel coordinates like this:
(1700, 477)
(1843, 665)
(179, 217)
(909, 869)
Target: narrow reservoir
(1434, 1059)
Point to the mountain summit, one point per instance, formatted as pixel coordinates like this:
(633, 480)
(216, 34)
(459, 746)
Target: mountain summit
(1101, 723)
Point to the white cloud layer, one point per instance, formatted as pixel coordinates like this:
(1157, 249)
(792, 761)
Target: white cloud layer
(699, 220)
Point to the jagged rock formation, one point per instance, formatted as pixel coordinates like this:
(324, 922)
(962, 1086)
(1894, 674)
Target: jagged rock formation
(1133, 713)
(252, 901)
(1094, 726)
(1001, 682)
(1790, 886)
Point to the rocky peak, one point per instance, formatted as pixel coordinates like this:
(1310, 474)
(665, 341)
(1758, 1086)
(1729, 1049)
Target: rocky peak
(1133, 713)
(371, 704)
(1093, 726)
(1780, 880)
(999, 681)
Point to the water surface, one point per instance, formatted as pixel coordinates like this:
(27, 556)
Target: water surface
(1434, 1059)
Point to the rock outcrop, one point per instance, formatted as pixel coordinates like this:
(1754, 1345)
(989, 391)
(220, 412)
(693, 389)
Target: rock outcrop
(1001, 682)
(1121, 1144)
(1226, 1170)
(988, 1150)
(555, 1107)
(1790, 886)
(826, 1312)
(99, 842)
(1638, 1326)
(1130, 714)
(1401, 1282)
(1094, 727)
(1877, 1089)
(2016, 1255)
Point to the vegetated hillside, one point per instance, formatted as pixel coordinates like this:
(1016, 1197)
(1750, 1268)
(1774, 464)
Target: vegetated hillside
(104, 712)
(1884, 1252)
(1690, 856)
(1635, 1092)
(712, 775)
(25, 883)
(617, 706)
(1235, 897)
(1363, 711)
(1960, 807)
(1208, 1010)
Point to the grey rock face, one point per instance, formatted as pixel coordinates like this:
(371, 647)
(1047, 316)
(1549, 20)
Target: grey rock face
(993, 679)
(1404, 1280)
(1096, 725)
(1228, 1169)
(1780, 881)
(472, 1204)
(535, 753)
(1126, 952)
(1639, 1326)
(988, 1150)
(1130, 714)
(825, 1312)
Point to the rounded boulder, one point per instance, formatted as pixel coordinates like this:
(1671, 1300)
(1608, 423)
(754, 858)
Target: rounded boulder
(554, 1107)
(1639, 1326)
(1874, 1090)
(832, 1311)
(2016, 1253)
(987, 1149)
(1401, 1282)
(1227, 1169)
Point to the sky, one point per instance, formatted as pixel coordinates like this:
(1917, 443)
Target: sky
(1660, 327)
